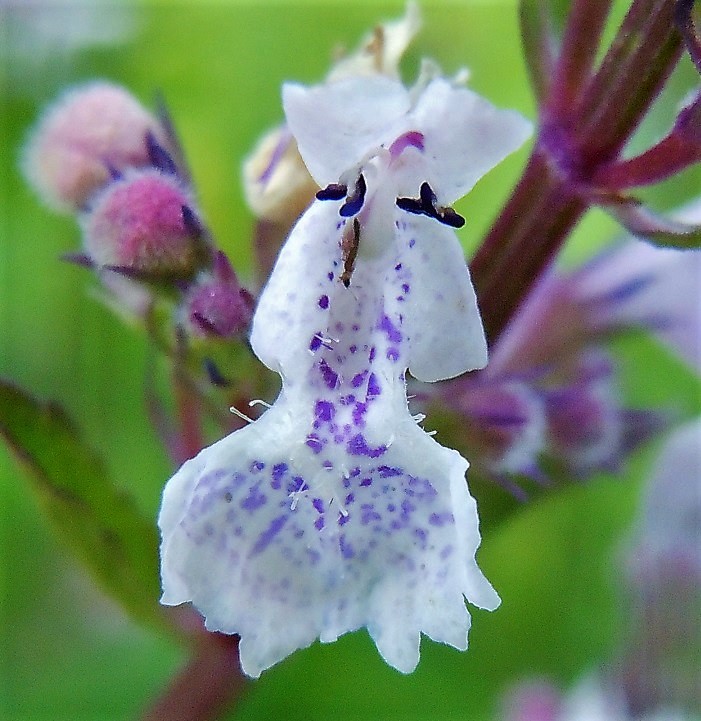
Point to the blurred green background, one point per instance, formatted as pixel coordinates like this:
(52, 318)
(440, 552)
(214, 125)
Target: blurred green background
(69, 653)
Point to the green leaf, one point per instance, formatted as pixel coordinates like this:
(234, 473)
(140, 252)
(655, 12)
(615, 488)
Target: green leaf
(98, 522)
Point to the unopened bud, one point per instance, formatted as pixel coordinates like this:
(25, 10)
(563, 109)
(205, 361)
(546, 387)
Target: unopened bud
(276, 181)
(216, 305)
(143, 226)
(82, 139)
(584, 418)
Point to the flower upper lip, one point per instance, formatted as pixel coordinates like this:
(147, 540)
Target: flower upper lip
(339, 123)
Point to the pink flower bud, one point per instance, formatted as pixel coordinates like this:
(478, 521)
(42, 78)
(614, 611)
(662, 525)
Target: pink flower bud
(217, 305)
(142, 225)
(86, 134)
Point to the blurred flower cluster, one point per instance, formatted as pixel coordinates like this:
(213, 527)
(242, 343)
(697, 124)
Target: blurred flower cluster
(657, 674)
(548, 407)
(334, 510)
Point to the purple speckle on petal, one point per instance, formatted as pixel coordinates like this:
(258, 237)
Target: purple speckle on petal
(440, 519)
(389, 471)
(318, 505)
(358, 446)
(328, 374)
(412, 242)
(405, 287)
(350, 498)
(329, 276)
(359, 411)
(254, 500)
(445, 552)
(373, 352)
(314, 442)
(366, 482)
(369, 514)
(408, 508)
(421, 488)
(324, 302)
(319, 523)
(210, 479)
(353, 348)
(279, 470)
(393, 334)
(296, 484)
(269, 534)
(346, 548)
(421, 535)
(373, 386)
(324, 410)
(256, 466)
(315, 343)
(358, 379)
(393, 354)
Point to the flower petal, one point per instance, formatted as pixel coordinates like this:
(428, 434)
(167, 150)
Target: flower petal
(292, 305)
(441, 318)
(465, 136)
(253, 535)
(338, 123)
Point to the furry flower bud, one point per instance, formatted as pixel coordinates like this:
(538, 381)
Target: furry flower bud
(143, 225)
(88, 133)
(217, 305)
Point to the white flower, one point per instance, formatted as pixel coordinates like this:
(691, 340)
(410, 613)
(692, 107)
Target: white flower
(335, 510)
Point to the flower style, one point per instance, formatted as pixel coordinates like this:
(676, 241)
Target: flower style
(335, 510)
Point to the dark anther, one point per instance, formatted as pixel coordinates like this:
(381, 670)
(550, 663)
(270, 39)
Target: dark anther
(160, 158)
(425, 204)
(355, 202)
(448, 216)
(428, 197)
(334, 191)
(411, 205)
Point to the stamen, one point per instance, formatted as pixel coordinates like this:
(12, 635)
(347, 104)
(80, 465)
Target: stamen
(411, 139)
(425, 204)
(354, 202)
(448, 216)
(349, 247)
(334, 191)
